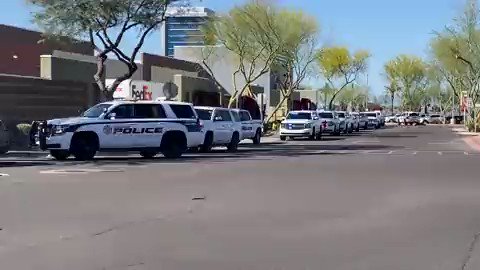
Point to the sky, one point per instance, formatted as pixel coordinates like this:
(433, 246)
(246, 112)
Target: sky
(386, 28)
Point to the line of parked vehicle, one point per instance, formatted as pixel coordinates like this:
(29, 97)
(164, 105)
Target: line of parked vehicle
(415, 118)
(313, 124)
(147, 127)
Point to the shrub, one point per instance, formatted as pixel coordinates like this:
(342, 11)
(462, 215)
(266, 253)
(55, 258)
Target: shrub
(24, 128)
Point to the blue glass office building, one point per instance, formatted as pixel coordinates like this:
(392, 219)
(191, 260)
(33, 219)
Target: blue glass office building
(182, 28)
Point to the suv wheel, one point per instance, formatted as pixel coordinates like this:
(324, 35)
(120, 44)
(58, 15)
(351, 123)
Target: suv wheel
(258, 137)
(233, 145)
(283, 138)
(148, 154)
(173, 145)
(84, 146)
(59, 154)
(208, 143)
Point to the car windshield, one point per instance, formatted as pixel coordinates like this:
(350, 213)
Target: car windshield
(326, 115)
(97, 110)
(341, 115)
(299, 115)
(371, 114)
(204, 114)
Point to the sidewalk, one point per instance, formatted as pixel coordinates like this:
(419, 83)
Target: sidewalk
(472, 139)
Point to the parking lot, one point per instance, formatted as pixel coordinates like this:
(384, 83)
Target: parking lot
(394, 198)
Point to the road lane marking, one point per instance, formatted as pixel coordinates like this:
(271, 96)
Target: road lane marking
(439, 153)
(466, 153)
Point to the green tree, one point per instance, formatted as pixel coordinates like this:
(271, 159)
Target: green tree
(392, 91)
(352, 98)
(456, 53)
(408, 73)
(340, 68)
(105, 24)
(298, 34)
(248, 31)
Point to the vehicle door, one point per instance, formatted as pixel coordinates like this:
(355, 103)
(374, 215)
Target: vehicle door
(148, 123)
(238, 123)
(118, 127)
(223, 125)
(247, 125)
(187, 115)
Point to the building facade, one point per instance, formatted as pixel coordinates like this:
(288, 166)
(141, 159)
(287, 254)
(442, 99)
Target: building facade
(20, 50)
(182, 27)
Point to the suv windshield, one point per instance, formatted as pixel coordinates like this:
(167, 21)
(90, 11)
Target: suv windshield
(299, 115)
(326, 115)
(97, 110)
(204, 114)
(371, 114)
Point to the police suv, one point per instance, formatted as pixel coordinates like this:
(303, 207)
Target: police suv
(149, 127)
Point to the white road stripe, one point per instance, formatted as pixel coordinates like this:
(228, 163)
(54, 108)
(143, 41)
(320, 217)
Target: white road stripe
(440, 153)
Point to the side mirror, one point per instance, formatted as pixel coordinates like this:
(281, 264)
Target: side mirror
(112, 116)
(217, 118)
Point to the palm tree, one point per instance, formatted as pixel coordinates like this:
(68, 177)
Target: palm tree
(392, 90)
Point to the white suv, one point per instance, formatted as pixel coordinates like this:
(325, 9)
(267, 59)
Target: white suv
(220, 128)
(330, 122)
(346, 124)
(301, 124)
(251, 129)
(149, 127)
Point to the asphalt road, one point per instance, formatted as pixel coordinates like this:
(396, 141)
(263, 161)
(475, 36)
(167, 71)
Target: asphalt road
(397, 198)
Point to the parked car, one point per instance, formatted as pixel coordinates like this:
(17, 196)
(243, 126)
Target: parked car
(220, 128)
(436, 119)
(380, 117)
(330, 122)
(250, 129)
(346, 125)
(373, 120)
(355, 121)
(4, 138)
(301, 124)
(362, 119)
(409, 118)
(392, 118)
(149, 127)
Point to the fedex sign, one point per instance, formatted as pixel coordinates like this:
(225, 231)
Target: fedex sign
(136, 89)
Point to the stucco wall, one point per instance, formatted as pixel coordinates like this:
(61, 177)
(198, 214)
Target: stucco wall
(115, 68)
(20, 50)
(223, 64)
